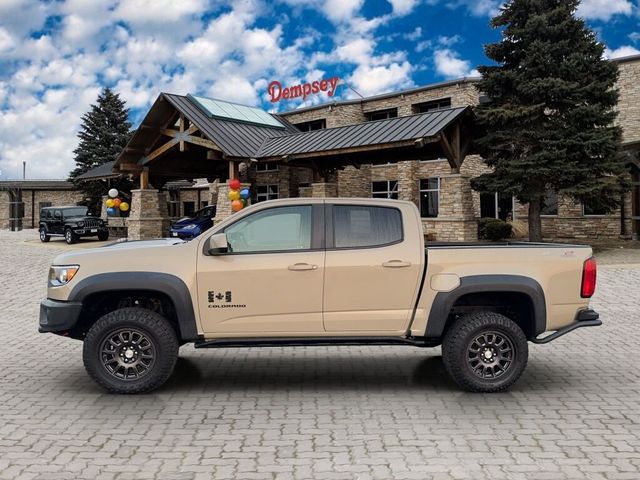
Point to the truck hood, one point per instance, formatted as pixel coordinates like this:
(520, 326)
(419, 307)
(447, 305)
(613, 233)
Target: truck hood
(116, 250)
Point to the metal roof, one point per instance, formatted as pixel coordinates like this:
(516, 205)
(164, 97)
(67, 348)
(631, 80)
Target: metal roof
(37, 184)
(236, 139)
(101, 171)
(392, 130)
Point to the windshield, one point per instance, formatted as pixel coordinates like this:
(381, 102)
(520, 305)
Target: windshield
(75, 212)
(205, 212)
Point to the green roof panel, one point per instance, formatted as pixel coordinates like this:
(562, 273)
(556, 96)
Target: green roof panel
(234, 111)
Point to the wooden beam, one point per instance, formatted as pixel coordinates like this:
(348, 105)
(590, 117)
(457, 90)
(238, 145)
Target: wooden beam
(170, 132)
(144, 178)
(449, 152)
(160, 150)
(130, 167)
(203, 142)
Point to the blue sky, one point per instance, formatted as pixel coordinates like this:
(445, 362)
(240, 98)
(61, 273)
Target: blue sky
(55, 56)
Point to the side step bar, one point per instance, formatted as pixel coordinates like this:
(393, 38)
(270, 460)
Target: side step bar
(586, 318)
(311, 341)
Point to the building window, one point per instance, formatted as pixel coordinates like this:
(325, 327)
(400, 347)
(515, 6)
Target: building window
(360, 226)
(432, 106)
(312, 125)
(382, 114)
(173, 203)
(266, 192)
(385, 189)
(550, 203)
(266, 167)
(188, 208)
(590, 207)
(429, 197)
(496, 205)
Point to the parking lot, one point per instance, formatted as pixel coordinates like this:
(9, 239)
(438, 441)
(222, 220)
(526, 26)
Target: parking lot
(319, 412)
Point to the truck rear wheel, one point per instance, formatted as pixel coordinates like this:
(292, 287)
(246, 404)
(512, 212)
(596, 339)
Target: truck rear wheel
(485, 352)
(130, 350)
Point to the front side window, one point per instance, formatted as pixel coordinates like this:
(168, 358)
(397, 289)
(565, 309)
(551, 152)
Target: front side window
(266, 192)
(361, 226)
(272, 230)
(429, 197)
(385, 189)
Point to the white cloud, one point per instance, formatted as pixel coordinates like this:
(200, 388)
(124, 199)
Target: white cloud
(620, 52)
(403, 7)
(157, 11)
(341, 10)
(604, 9)
(370, 80)
(449, 64)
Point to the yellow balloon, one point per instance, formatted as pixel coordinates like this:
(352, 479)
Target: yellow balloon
(124, 206)
(109, 202)
(234, 195)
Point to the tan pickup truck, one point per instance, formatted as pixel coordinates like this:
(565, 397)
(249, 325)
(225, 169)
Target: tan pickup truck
(317, 272)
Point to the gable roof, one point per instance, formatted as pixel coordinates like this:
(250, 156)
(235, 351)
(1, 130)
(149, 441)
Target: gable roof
(391, 130)
(100, 172)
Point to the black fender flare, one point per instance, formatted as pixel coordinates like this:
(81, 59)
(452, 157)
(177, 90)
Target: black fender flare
(444, 301)
(165, 283)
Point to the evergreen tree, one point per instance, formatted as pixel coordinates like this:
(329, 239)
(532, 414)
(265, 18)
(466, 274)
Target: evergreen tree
(549, 124)
(104, 132)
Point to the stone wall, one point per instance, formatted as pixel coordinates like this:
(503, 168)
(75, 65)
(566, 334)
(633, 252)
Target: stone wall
(347, 113)
(35, 198)
(629, 101)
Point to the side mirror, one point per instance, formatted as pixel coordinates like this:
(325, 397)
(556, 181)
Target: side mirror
(218, 244)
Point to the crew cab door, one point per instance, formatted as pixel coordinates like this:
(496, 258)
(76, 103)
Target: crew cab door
(373, 267)
(270, 281)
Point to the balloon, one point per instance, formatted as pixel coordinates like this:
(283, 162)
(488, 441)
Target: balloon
(124, 206)
(236, 205)
(234, 195)
(111, 211)
(245, 193)
(109, 202)
(234, 184)
(244, 202)
(113, 193)
(117, 202)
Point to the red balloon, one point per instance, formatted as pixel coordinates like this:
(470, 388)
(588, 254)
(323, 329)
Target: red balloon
(234, 184)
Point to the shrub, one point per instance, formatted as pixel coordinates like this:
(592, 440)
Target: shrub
(493, 229)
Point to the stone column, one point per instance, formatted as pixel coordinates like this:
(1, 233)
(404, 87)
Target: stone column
(223, 204)
(213, 192)
(456, 220)
(149, 217)
(408, 188)
(4, 210)
(324, 190)
(103, 208)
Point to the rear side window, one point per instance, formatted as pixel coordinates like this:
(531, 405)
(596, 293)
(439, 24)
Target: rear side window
(361, 226)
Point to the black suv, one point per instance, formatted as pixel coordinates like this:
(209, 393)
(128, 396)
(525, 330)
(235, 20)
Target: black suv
(72, 223)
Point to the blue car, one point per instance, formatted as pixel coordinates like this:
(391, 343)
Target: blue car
(194, 225)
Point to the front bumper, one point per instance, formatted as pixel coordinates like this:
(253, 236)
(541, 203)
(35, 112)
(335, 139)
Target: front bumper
(90, 231)
(585, 318)
(57, 316)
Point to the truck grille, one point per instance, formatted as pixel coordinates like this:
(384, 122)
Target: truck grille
(92, 223)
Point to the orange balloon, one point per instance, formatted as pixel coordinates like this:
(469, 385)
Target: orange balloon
(236, 205)
(117, 202)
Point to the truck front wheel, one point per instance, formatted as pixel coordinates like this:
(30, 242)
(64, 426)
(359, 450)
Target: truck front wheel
(130, 350)
(485, 352)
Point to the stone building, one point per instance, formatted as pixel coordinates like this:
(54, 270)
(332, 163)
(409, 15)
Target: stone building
(32, 195)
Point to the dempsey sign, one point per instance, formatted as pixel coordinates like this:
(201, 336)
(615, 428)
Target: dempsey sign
(277, 92)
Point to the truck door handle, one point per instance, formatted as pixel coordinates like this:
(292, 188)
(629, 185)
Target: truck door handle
(396, 264)
(296, 267)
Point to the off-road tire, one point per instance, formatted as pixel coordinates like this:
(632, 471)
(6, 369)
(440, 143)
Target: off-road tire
(70, 237)
(43, 235)
(151, 325)
(460, 343)
(103, 236)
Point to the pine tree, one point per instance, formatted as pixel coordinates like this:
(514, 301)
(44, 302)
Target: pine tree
(104, 132)
(549, 123)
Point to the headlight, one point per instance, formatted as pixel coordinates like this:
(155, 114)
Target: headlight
(81, 224)
(61, 275)
(190, 227)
